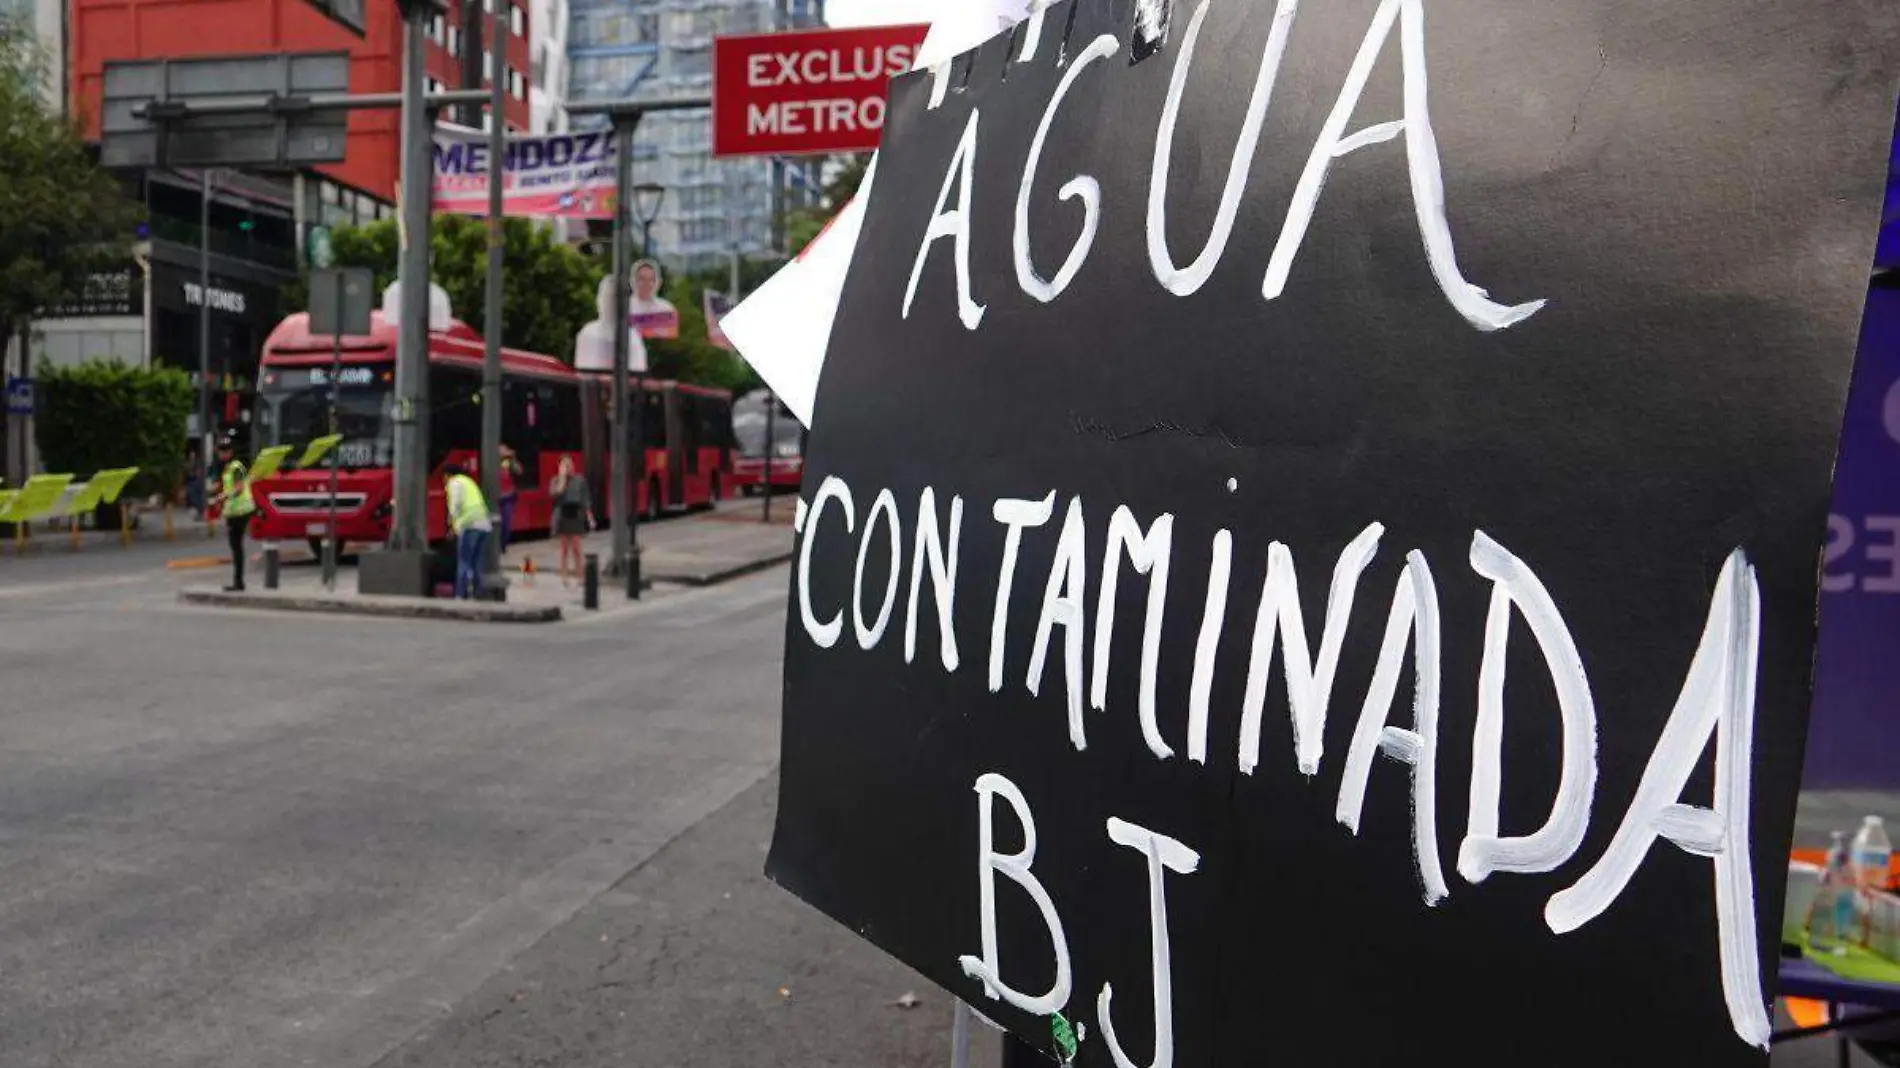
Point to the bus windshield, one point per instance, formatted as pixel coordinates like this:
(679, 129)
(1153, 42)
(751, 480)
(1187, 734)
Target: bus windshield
(749, 425)
(294, 409)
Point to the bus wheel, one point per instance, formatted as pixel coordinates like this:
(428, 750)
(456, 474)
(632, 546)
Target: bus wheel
(718, 490)
(316, 549)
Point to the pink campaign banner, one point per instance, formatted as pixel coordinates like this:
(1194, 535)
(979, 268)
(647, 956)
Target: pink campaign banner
(567, 174)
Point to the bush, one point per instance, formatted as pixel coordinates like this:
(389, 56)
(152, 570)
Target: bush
(104, 414)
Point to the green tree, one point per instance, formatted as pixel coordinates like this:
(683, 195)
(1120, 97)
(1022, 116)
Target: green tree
(103, 414)
(548, 290)
(61, 216)
(691, 357)
(841, 184)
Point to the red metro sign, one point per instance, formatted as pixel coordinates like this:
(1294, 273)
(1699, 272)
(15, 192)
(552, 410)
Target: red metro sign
(808, 92)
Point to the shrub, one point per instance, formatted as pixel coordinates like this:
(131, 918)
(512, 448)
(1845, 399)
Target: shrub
(103, 414)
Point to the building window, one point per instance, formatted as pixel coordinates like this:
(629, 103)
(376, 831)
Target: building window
(347, 12)
(517, 20)
(435, 29)
(516, 84)
(455, 41)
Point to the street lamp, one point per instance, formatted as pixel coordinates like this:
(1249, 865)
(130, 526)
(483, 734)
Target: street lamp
(647, 198)
(645, 202)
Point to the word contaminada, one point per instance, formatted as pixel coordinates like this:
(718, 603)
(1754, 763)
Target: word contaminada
(1716, 701)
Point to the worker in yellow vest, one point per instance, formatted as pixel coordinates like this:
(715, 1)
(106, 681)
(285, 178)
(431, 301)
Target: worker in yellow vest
(235, 499)
(469, 519)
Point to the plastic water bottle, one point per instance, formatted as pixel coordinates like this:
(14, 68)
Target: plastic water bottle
(1872, 854)
(1833, 912)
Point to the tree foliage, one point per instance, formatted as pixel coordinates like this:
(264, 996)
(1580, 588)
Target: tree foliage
(103, 414)
(691, 357)
(548, 290)
(61, 216)
(841, 184)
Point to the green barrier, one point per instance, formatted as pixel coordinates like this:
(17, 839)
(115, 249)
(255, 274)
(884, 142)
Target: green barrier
(103, 488)
(318, 449)
(269, 462)
(35, 499)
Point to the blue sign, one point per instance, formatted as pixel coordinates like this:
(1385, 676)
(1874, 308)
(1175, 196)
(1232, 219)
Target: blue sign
(19, 395)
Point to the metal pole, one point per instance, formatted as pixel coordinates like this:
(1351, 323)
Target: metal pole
(205, 435)
(410, 530)
(619, 512)
(491, 316)
(333, 548)
(960, 1036)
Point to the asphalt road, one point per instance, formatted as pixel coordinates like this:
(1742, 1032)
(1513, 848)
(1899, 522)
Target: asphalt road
(252, 839)
(243, 839)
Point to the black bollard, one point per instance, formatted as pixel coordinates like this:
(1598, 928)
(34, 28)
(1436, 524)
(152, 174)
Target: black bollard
(633, 574)
(330, 548)
(590, 582)
(270, 565)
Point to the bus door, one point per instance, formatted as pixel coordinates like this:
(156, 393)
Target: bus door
(676, 448)
(595, 450)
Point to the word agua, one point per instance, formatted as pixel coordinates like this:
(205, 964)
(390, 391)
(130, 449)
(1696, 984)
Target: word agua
(1421, 153)
(1716, 701)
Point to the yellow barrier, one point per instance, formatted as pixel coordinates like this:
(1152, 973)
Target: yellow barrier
(103, 488)
(269, 462)
(318, 449)
(33, 500)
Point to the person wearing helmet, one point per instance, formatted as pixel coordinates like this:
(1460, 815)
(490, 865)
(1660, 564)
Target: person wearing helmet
(235, 499)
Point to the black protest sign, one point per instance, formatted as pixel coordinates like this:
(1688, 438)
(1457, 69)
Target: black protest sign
(1347, 598)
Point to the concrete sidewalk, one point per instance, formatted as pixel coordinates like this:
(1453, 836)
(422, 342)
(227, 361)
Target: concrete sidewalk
(676, 554)
(697, 549)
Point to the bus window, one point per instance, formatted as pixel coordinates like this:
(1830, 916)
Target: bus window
(715, 423)
(294, 408)
(560, 416)
(653, 416)
(522, 423)
(455, 410)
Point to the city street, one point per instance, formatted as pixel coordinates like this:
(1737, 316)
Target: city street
(242, 838)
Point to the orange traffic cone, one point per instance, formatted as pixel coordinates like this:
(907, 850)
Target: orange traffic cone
(527, 571)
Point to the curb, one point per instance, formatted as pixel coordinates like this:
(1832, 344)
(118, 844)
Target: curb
(385, 607)
(714, 578)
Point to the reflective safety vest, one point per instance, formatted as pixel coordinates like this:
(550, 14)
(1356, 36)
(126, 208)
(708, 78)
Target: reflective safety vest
(237, 491)
(473, 508)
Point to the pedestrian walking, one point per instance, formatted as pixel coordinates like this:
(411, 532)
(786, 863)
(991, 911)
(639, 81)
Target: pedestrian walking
(573, 514)
(505, 486)
(235, 501)
(468, 517)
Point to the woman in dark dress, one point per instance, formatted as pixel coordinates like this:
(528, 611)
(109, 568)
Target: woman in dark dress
(573, 514)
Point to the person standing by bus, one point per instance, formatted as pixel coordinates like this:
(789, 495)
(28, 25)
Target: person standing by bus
(573, 514)
(235, 500)
(505, 487)
(468, 517)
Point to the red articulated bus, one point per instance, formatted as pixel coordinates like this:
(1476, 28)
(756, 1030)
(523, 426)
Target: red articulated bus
(548, 412)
